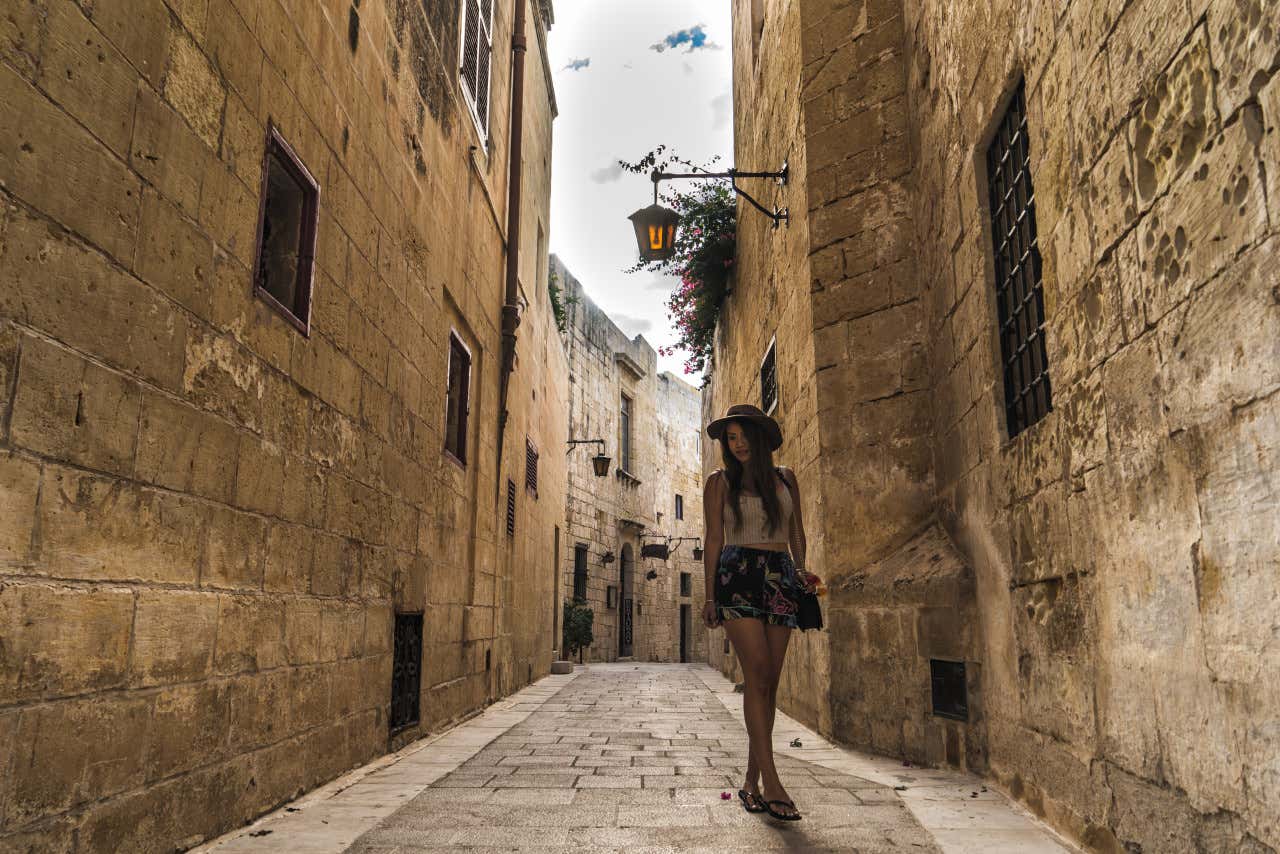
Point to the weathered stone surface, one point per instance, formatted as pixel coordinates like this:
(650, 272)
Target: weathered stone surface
(173, 637)
(71, 409)
(19, 490)
(44, 658)
(93, 527)
(62, 759)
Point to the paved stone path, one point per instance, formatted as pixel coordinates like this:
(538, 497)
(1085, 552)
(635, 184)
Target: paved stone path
(634, 757)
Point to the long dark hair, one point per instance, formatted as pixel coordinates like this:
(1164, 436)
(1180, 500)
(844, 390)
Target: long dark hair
(761, 469)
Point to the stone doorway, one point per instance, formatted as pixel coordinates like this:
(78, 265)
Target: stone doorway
(626, 581)
(685, 624)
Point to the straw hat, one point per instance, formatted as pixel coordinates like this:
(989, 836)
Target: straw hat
(747, 412)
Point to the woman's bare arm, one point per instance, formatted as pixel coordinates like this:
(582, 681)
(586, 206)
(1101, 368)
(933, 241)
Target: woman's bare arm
(713, 522)
(796, 538)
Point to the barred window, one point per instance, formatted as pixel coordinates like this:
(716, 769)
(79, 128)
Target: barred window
(580, 571)
(530, 467)
(769, 379)
(1019, 294)
(477, 53)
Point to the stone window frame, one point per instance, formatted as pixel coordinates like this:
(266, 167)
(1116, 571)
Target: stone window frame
(483, 57)
(679, 506)
(1014, 95)
(299, 314)
(770, 351)
(458, 349)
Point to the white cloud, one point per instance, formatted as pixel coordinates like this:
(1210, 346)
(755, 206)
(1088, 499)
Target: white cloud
(607, 174)
(633, 326)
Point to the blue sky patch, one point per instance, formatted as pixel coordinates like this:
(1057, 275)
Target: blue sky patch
(694, 37)
(577, 64)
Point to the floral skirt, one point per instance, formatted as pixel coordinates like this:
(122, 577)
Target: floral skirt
(760, 584)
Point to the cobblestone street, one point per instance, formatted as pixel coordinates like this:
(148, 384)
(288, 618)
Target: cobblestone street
(634, 757)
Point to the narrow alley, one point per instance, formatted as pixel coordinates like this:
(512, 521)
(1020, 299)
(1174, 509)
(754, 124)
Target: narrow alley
(636, 758)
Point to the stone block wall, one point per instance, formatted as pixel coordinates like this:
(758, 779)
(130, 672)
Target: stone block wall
(207, 519)
(617, 514)
(1106, 585)
(1117, 543)
(770, 302)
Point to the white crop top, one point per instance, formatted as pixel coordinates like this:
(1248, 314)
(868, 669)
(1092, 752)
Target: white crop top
(755, 522)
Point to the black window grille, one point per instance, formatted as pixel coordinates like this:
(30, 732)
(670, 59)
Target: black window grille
(769, 380)
(1019, 294)
(477, 50)
(679, 506)
(580, 571)
(686, 584)
(950, 700)
(406, 671)
(511, 508)
(286, 239)
(530, 468)
(458, 405)
(624, 432)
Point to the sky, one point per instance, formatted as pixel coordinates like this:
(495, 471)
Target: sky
(630, 76)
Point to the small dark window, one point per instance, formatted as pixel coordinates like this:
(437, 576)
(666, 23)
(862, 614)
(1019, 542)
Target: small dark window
(488, 659)
(679, 506)
(611, 596)
(286, 232)
(580, 571)
(624, 433)
(511, 508)
(686, 584)
(459, 401)
(726, 646)
(530, 468)
(406, 671)
(769, 380)
(1019, 294)
(949, 697)
(477, 50)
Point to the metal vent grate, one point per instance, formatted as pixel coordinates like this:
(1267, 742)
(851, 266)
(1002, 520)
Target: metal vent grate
(511, 508)
(769, 379)
(530, 468)
(1019, 294)
(406, 671)
(950, 698)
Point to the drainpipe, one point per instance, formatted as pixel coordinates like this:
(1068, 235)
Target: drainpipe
(511, 307)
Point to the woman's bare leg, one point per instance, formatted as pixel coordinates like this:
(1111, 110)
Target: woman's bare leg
(777, 638)
(751, 643)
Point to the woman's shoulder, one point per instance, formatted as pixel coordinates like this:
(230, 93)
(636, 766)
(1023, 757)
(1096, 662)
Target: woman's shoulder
(788, 476)
(715, 480)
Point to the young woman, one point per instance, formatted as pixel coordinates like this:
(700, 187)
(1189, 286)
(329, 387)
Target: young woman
(755, 588)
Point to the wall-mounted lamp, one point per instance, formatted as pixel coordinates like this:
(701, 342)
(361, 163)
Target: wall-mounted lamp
(600, 462)
(607, 558)
(656, 226)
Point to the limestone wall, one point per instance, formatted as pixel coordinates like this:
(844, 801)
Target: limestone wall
(208, 519)
(1102, 574)
(1120, 543)
(610, 515)
(770, 301)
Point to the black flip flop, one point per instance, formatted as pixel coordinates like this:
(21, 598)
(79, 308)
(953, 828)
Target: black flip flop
(749, 798)
(782, 816)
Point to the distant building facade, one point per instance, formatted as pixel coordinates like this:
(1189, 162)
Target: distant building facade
(1025, 345)
(254, 529)
(649, 423)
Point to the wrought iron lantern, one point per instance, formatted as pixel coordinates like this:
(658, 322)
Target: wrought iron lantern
(655, 230)
(697, 552)
(656, 226)
(600, 462)
(607, 558)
